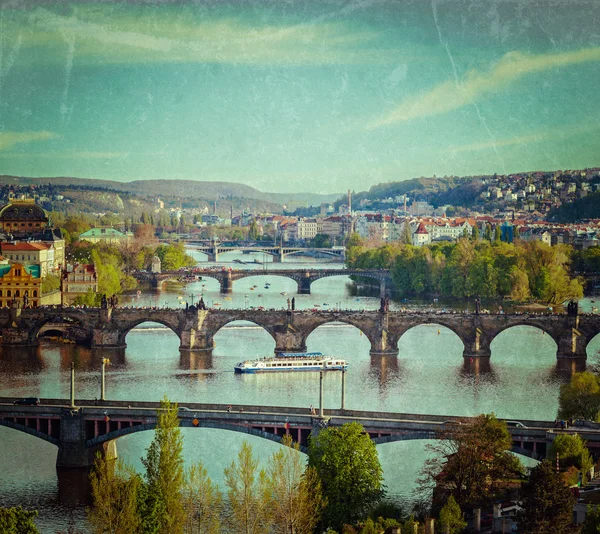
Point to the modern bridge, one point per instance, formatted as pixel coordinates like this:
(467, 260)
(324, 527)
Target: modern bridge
(278, 253)
(303, 277)
(196, 329)
(82, 429)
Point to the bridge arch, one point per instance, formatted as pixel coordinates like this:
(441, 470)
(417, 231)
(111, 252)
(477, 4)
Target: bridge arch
(546, 336)
(217, 328)
(185, 423)
(332, 323)
(74, 319)
(31, 431)
(127, 328)
(437, 331)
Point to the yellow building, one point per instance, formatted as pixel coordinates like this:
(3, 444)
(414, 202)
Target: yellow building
(20, 285)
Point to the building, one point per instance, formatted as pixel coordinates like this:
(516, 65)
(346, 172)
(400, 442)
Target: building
(22, 217)
(20, 286)
(105, 235)
(421, 236)
(306, 228)
(78, 280)
(30, 253)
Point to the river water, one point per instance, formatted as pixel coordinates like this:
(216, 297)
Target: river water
(426, 377)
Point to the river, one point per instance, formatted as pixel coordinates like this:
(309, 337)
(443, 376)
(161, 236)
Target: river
(426, 377)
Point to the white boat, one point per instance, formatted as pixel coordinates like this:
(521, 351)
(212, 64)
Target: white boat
(292, 361)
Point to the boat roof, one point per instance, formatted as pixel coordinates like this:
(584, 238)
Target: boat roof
(299, 354)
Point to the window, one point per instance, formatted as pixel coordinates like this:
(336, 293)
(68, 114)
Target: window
(35, 293)
(8, 293)
(17, 293)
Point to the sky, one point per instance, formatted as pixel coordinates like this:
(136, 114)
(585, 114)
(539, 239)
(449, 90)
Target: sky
(293, 96)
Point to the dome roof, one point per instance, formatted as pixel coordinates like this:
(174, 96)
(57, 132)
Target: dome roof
(22, 211)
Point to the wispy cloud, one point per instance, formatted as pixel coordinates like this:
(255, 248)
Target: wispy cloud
(10, 139)
(491, 144)
(451, 95)
(103, 37)
(67, 155)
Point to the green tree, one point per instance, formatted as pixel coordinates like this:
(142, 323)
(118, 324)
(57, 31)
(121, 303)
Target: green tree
(174, 257)
(471, 461)
(115, 490)
(346, 461)
(546, 503)
(497, 233)
(202, 502)
(164, 471)
(580, 398)
(249, 495)
(50, 283)
(488, 232)
(297, 498)
(572, 451)
(451, 517)
(475, 233)
(17, 521)
(406, 237)
(591, 524)
(253, 231)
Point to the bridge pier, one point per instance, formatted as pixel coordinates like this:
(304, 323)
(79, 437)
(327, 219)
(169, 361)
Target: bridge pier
(72, 450)
(384, 344)
(15, 337)
(193, 339)
(226, 284)
(289, 339)
(304, 284)
(572, 345)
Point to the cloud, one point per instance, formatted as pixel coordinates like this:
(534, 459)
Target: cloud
(105, 37)
(68, 155)
(449, 95)
(10, 139)
(491, 144)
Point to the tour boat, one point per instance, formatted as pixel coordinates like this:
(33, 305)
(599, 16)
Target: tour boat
(292, 361)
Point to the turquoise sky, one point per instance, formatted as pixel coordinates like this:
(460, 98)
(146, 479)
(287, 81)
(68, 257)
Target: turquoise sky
(291, 96)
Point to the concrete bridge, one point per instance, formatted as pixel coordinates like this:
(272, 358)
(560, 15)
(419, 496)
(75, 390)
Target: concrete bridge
(303, 277)
(212, 250)
(80, 431)
(196, 329)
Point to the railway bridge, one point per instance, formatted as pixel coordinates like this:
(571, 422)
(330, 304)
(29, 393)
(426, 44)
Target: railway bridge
(84, 428)
(303, 277)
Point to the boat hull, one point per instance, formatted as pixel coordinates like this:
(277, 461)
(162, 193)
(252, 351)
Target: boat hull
(254, 370)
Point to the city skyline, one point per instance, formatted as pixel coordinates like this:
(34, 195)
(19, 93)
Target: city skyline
(292, 97)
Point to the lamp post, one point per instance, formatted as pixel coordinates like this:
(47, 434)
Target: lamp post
(72, 385)
(321, 394)
(103, 384)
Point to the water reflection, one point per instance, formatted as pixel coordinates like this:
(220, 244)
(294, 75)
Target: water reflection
(196, 360)
(384, 369)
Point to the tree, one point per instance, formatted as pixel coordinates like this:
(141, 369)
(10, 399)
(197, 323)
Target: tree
(115, 493)
(346, 461)
(249, 497)
(497, 233)
(50, 283)
(297, 499)
(580, 398)
(471, 461)
(451, 518)
(572, 452)
(546, 503)
(475, 233)
(164, 472)
(591, 525)
(202, 502)
(406, 237)
(17, 521)
(253, 231)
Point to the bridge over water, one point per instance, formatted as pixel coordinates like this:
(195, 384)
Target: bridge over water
(196, 329)
(212, 250)
(303, 277)
(82, 430)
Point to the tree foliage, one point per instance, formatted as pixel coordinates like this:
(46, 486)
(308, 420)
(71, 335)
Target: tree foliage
(115, 490)
(164, 471)
(202, 502)
(451, 517)
(546, 503)
(249, 495)
(471, 462)
(295, 490)
(525, 270)
(580, 398)
(572, 452)
(174, 257)
(346, 461)
(17, 520)
(50, 283)
(591, 524)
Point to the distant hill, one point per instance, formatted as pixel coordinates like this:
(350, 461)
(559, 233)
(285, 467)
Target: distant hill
(457, 191)
(185, 189)
(587, 207)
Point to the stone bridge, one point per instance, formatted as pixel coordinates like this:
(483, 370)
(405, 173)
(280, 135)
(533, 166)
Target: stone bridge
(108, 328)
(82, 430)
(278, 253)
(303, 277)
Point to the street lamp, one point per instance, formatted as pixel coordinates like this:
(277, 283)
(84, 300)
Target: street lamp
(102, 384)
